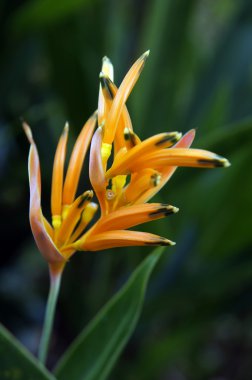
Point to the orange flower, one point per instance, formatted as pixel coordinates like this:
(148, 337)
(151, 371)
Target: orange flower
(124, 171)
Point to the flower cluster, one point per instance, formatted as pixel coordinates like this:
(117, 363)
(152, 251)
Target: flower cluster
(124, 171)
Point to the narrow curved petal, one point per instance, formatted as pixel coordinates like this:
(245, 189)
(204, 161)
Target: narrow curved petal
(42, 238)
(140, 183)
(105, 100)
(72, 217)
(197, 158)
(76, 160)
(120, 238)
(58, 174)
(130, 216)
(166, 172)
(96, 171)
(108, 70)
(121, 97)
(86, 217)
(109, 91)
(48, 227)
(152, 144)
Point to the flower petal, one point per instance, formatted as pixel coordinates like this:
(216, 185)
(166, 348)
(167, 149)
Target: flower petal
(57, 178)
(121, 97)
(155, 143)
(77, 159)
(86, 217)
(130, 216)
(140, 183)
(180, 157)
(42, 238)
(108, 70)
(72, 217)
(109, 91)
(119, 238)
(167, 172)
(96, 171)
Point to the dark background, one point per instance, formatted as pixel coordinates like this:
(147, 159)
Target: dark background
(197, 318)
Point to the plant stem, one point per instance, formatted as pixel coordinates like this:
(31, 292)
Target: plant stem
(55, 280)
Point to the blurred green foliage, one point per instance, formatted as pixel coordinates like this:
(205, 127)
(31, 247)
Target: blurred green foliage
(197, 320)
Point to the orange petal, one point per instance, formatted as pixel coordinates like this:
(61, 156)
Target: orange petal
(72, 217)
(42, 238)
(77, 159)
(130, 139)
(48, 227)
(96, 171)
(167, 172)
(121, 97)
(105, 100)
(109, 91)
(107, 69)
(130, 216)
(180, 157)
(57, 176)
(86, 217)
(152, 144)
(140, 182)
(119, 238)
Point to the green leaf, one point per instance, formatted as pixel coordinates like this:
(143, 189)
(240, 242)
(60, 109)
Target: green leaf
(16, 363)
(95, 351)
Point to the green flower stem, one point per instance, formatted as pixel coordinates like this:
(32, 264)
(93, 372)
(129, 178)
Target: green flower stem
(49, 316)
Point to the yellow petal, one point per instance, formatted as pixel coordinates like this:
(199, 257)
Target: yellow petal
(42, 238)
(76, 160)
(58, 173)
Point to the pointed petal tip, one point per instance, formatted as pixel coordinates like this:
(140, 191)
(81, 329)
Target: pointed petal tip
(166, 242)
(216, 162)
(66, 127)
(106, 59)
(27, 131)
(170, 210)
(107, 67)
(169, 138)
(146, 54)
(226, 163)
(192, 132)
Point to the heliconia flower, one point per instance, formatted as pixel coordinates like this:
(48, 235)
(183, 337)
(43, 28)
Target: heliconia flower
(124, 172)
